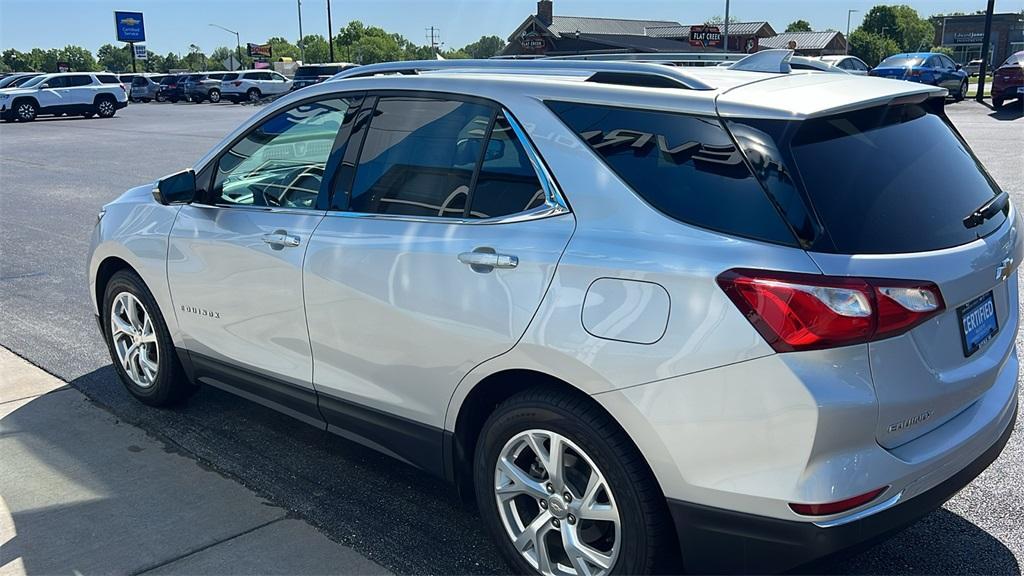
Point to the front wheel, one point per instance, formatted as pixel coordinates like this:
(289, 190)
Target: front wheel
(214, 96)
(140, 344)
(26, 110)
(564, 492)
(253, 94)
(963, 91)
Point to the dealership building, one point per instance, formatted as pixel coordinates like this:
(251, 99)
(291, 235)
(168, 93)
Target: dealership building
(548, 34)
(964, 34)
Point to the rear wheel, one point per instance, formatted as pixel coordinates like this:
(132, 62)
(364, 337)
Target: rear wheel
(140, 345)
(105, 107)
(161, 98)
(214, 96)
(564, 492)
(253, 94)
(26, 110)
(963, 91)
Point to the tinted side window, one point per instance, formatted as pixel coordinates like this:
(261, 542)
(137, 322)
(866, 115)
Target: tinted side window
(281, 162)
(418, 157)
(57, 82)
(687, 167)
(108, 79)
(71, 81)
(139, 81)
(507, 183)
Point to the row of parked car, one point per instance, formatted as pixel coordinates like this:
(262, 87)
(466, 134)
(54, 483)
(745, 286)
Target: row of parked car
(214, 86)
(931, 68)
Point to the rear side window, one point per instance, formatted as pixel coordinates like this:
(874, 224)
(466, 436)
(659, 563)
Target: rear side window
(418, 157)
(885, 180)
(139, 81)
(685, 166)
(70, 81)
(507, 183)
(108, 79)
(231, 76)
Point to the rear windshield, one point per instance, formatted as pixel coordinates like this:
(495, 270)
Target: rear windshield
(685, 166)
(108, 79)
(900, 61)
(1017, 58)
(307, 71)
(884, 180)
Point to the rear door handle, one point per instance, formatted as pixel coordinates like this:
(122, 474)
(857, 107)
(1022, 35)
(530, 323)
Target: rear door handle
(281, 239)
(481, 261)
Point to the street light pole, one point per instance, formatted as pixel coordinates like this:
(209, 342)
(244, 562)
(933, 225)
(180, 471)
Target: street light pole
(238, 42)
(302, 51)
(848, 14)
(330, 31)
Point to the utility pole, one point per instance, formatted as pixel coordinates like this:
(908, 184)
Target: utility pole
(433, 35)
(302, 51)
(330, 31)
(725, 47)
(985, 48)
(131, 48)
(848, 14)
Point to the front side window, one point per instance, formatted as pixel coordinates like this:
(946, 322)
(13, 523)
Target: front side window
(418, 157)
(80, 81)
(57, 82)
(107, 79)
(281, 162)
(687, 167)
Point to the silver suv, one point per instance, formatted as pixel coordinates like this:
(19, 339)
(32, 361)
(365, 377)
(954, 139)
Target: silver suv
(650, 317)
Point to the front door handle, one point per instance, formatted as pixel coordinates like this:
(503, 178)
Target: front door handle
(485, 260)
(281, 239)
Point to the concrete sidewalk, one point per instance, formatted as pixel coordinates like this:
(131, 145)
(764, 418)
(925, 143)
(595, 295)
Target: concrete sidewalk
(81, 492)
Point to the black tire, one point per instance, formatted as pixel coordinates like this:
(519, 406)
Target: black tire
(214, 96)
(648, 542)
(963, 92)
(161, 98)
(105, 107)
(171, 385)
(146, 100)
(25, 110)
(173, 100)
(253, 94)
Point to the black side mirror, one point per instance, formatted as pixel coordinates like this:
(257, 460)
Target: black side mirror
(177, 188)
(959, 67)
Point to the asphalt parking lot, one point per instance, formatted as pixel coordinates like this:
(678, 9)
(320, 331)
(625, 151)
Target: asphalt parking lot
(56, 173)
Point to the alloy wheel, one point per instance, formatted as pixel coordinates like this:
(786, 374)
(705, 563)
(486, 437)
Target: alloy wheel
(106, 108)
(26, 112)
(134, 339)
(214, 96)
(556, 505)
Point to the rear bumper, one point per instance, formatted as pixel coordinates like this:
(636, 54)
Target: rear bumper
(717, 540)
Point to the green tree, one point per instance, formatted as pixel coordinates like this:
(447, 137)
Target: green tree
(282, 48)
(80, 59)
(114, 58)
(16, 60)
(171, 62)
(316, 49)
(902, 24)
(799, 26)
(367, 45)
(870, 47)
(485, 47)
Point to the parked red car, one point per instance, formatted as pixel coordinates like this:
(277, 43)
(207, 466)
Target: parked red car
(1008, 80)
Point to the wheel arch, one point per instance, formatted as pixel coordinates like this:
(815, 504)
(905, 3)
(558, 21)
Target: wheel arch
(105, 271)
(19, 99)
(485, 396)
(103, 96)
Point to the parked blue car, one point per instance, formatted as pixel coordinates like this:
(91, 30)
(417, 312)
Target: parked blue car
(927, 68)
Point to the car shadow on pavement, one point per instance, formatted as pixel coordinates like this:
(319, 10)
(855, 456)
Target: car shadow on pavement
(1011, 111)
(392, 513)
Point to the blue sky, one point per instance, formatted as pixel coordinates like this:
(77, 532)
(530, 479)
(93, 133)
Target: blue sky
(171, 25)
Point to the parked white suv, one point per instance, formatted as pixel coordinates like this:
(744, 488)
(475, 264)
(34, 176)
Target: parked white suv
(251, 85)
(81, 93)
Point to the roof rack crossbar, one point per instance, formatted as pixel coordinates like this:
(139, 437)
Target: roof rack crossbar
(668, 74)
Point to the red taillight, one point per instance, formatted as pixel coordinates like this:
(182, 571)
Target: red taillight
(836, 507)
(810, 312)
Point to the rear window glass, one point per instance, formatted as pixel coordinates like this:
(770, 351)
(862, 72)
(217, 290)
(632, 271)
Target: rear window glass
(687, 167)
(108, 79)
(1017, 58)
(886, 180)
(900, 61)
(307, 71)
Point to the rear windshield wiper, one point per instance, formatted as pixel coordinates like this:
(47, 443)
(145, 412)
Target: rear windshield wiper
(987, 210)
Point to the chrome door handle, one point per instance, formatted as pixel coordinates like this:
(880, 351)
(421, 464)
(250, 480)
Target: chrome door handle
(487, 261)
(282, 239)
